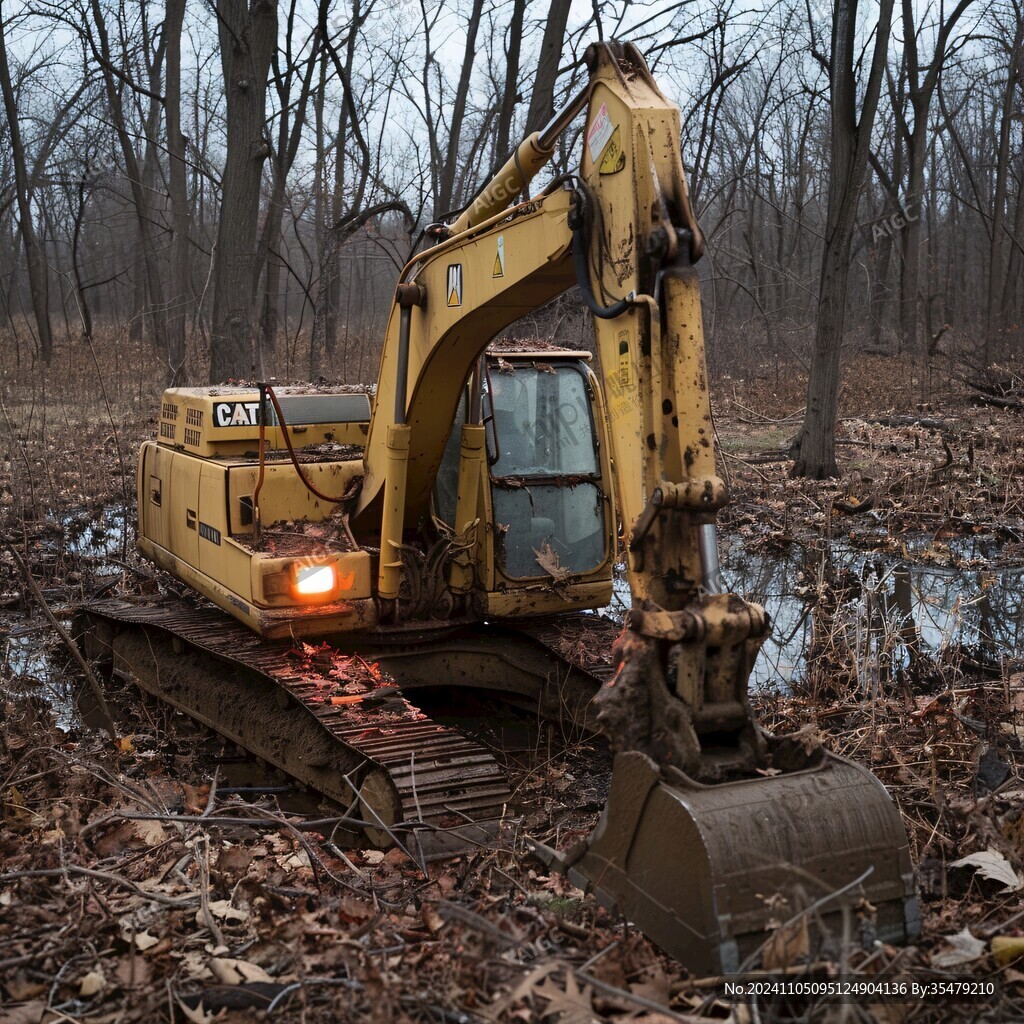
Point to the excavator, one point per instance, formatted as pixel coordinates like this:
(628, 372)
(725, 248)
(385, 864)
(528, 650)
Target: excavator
(457, 527)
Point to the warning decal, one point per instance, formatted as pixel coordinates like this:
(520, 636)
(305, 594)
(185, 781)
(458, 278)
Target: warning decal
(454, 284)
(499, 258)
(599, 132)
(625, 363)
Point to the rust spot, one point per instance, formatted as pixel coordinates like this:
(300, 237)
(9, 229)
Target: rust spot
(666, 407)
(675, 421)
(651, 442)
(688, 456)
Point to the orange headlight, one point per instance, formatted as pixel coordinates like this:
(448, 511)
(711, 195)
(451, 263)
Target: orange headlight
(314, 580)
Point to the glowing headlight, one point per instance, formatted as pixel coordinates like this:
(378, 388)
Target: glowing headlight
(314, 579)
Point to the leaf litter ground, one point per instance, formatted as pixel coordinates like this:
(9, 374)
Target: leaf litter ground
(139, 884)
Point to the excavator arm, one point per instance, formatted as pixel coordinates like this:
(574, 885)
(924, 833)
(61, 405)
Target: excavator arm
(709, 820)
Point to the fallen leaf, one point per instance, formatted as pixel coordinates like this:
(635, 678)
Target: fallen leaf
(353, 910)
(431, 918)
(787, 945)
(963, 948)
(144, 941)
(236, 972)
(224, 910)
(1007, 948)
(653, 985)
(193, 963)
(92, 983)
(14, 808)
(197, 1016)
(132, 972)
(27, 1013)
(296, 861)
(373, 856)
(571, 1005)
(991, 864)
(20, 988)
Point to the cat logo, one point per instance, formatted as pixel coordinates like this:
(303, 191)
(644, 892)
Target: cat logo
(454, 284)
(236, 414)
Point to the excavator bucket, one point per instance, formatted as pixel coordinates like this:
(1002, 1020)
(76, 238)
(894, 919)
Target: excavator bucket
(709, 871)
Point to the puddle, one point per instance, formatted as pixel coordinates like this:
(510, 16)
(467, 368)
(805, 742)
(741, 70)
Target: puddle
(942, 597)
(28, 668)
(99, 537)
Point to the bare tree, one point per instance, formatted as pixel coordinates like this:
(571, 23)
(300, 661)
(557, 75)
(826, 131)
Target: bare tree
(814, 448)
(34, 257)
(178, 191)
(921, 82)
(248, 35)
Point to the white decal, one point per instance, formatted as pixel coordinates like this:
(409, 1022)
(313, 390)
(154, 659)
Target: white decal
(454, 284)
(237, 414)
(599, 132)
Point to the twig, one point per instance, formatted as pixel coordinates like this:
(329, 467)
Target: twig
(75, 869)
(94, 683)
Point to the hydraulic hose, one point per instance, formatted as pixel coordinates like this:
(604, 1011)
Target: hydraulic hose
(310, 486)
(580, 249)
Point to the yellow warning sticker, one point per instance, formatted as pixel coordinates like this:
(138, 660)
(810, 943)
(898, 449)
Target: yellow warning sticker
(614, 158)
(499, 258)
(454, 284)
(625, 363)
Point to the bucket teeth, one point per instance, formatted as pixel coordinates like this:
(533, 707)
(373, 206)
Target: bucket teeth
(708, 870)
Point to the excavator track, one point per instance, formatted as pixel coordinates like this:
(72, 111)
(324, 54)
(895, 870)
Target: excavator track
(418, 783)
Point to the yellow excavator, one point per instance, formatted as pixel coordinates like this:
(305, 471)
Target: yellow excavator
(456, 528)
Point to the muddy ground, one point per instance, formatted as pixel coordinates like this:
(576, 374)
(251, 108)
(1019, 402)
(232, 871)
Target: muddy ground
(158, 875)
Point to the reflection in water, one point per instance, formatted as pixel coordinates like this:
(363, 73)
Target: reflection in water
(27, 668)
(97, 537)
(890, 607)
(898, 607)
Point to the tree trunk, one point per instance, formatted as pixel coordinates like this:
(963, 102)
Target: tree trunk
(444, 200)
(814, 448)
(136, 179)
(542, 102)
(910, 237)
(510, 94)
(996, 279)
(35, 258)
(178, 190)
(248, 35)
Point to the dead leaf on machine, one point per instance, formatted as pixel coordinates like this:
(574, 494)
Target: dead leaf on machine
(547, 559)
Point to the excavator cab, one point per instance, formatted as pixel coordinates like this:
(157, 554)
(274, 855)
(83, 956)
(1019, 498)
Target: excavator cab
(545, 488)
